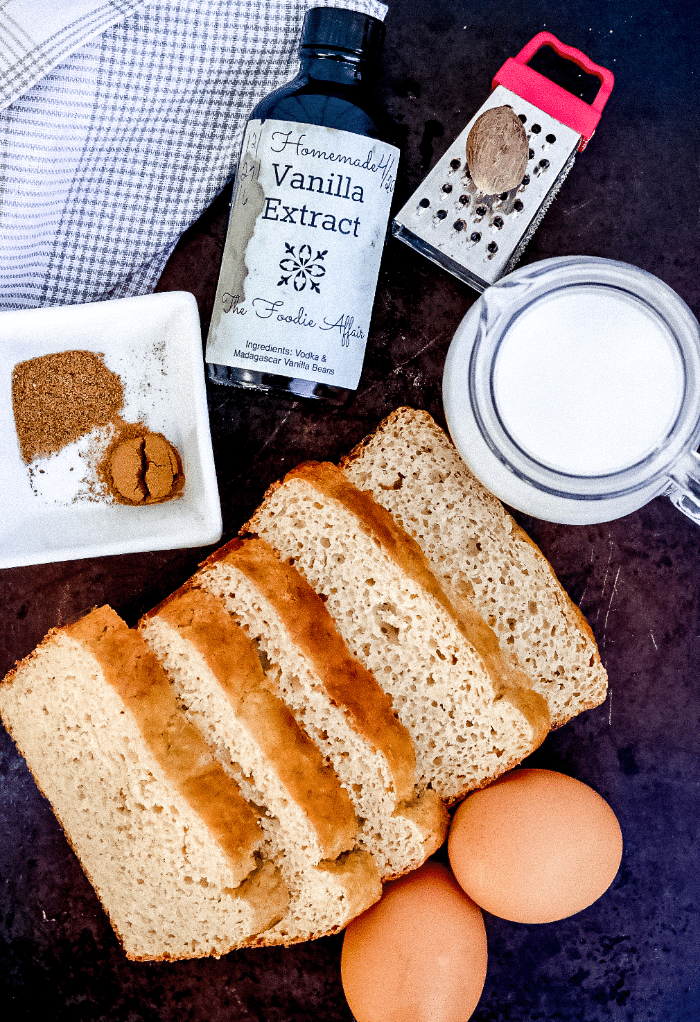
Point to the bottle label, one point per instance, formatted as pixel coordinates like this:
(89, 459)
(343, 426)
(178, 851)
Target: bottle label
(301, 260)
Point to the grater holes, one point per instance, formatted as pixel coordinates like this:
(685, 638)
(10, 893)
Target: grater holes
(483, 233)
(456, 209)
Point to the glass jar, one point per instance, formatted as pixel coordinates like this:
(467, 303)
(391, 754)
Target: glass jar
(572, 390)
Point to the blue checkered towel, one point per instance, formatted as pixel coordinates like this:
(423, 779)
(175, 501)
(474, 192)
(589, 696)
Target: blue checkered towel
(120, 121)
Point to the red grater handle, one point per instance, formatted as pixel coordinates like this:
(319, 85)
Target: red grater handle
(533, 87)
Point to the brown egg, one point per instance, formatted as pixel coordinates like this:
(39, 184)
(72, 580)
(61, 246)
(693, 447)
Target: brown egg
(418, 955)
(535, 846)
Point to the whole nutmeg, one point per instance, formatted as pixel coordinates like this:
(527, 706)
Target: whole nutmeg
(497, 150)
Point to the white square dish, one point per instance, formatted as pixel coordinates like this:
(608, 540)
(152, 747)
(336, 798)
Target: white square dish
(49, 510)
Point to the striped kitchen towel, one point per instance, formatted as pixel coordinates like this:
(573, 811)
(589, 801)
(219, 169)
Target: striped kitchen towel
(120, 122)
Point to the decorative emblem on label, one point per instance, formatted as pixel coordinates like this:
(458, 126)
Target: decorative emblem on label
(303, 268)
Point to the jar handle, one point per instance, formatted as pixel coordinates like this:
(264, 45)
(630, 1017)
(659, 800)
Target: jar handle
(684, 491)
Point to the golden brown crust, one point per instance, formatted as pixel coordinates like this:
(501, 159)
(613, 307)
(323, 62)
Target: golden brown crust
(568, 608)
(510, 683)
(429, 812)
(264, 881)
(362, 889)
(350, 685)
(134, 672)
(202, 620)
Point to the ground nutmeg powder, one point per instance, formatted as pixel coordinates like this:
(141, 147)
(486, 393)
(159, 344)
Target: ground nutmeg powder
(58, 398)
(61, 397)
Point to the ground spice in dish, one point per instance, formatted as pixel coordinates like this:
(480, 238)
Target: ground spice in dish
(140, 467)
(61, 397)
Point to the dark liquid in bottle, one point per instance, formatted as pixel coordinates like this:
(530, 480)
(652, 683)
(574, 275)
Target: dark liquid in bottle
(335, 88)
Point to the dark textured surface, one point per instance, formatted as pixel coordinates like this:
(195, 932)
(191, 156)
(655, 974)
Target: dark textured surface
(633, 195)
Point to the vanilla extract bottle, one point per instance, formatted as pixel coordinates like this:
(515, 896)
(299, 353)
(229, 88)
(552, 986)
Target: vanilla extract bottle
(308, 221)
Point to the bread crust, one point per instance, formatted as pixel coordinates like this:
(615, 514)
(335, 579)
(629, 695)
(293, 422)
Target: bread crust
(204, 622)
(134, 672)
(512, 684)
(430, 437)
(349, 684)
(192, 777)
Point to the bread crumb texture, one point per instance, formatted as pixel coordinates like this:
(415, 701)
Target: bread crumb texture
(169, 887)
(335, 700)
(394, 620)
(477, 550)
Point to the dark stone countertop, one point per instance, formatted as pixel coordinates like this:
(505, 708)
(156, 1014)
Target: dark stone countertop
(631, 196)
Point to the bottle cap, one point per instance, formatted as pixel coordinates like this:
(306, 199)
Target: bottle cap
(339, 29)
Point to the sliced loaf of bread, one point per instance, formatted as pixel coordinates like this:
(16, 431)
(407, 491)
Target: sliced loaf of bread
(284, 732)
(164, 835)
(470, 714)
(478, 551)
(307, 816)
(335, 699)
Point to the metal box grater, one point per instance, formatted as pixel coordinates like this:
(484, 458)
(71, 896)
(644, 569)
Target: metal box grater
(479, 237)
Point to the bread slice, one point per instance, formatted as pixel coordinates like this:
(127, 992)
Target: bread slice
(335, 700)
(306, 814)
(470, 715)
(478, 551)
(165, 837)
